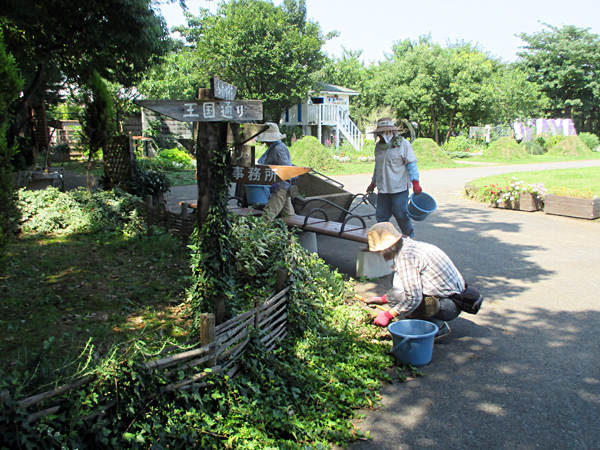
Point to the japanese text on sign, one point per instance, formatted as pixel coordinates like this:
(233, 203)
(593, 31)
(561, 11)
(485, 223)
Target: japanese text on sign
(254, 174)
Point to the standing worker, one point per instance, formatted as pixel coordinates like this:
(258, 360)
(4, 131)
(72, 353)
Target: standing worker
(395, 171)
(426, 284)
(277, 154)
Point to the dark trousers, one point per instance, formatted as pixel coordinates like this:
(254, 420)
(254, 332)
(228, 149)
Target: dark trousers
(448, 311)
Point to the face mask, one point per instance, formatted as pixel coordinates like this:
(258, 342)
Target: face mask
(387, 136)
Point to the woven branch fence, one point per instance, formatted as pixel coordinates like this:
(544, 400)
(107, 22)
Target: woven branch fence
(180, 224)
(218, 348)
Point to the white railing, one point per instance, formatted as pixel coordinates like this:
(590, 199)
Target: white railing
(334, 115)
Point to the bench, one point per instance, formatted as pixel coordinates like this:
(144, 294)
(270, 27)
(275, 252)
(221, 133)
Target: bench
(316, 225)
(368, 264)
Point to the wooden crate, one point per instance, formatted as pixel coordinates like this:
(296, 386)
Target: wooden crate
(582, 208)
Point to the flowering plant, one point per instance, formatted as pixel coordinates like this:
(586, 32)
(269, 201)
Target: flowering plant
(510, 193)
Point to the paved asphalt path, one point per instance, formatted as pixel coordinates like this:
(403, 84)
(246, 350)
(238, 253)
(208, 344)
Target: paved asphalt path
(522, 374)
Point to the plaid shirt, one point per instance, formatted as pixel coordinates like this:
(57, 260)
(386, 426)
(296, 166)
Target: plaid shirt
(422, 270)
(277, 155)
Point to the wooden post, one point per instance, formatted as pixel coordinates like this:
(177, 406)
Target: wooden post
(184, 224)
(256, 304)
(207, 334)
(149, 218)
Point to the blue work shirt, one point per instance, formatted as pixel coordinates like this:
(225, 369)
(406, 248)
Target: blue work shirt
(278, 155)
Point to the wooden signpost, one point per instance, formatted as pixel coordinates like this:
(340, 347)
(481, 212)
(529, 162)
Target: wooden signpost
(221, 122)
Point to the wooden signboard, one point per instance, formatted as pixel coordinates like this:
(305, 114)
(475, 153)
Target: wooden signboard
(240, 134)
(206, 110)
(262, 174)
(222, 90)
(243, 156)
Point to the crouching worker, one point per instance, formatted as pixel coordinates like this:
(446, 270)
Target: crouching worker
(426, 284)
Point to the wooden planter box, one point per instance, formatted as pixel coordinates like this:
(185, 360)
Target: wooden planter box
(582, 208)
(526, 202)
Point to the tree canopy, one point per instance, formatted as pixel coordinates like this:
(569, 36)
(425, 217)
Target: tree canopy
(565, 63)
(267, 51)
(66, 40)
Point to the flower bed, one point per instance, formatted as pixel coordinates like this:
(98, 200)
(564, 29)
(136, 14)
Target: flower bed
(516, 195)
(526, 201)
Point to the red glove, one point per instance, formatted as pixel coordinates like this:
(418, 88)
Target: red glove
(376, 300)
(371, 187)
(383, 318)
(416, 188)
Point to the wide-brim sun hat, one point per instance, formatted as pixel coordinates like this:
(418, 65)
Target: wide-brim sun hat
(271, 135)
(382, 236)
(385, 124)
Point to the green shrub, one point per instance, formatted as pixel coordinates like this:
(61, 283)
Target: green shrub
(458, 144)
(308, 152)
(10, 86)
(145, 182)
(533, 147)
(181, 157)
(158, 164)
(590, 140)
(547, 141)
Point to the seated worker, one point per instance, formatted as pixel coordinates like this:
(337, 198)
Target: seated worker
(426, 284)
(277, 154)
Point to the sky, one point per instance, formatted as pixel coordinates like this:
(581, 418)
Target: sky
(374, 25)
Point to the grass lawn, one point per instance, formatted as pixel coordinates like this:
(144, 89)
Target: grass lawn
(535, 159)
(559, 180)
(62, 295)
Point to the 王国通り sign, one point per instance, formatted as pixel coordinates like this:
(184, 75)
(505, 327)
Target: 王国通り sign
(206, 110)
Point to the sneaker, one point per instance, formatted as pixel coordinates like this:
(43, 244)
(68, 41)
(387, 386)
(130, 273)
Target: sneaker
(444, 330)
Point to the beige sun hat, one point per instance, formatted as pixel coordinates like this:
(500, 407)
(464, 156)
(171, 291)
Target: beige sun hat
(387, 124)
(271, 135)
(382, 236)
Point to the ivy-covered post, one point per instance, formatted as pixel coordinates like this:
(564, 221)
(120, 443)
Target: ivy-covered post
(214, 109)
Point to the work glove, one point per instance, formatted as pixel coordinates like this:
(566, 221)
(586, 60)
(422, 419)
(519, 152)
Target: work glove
(371, 187)
(273, 187)
(376, 300)
(416, 188)
(383, 318)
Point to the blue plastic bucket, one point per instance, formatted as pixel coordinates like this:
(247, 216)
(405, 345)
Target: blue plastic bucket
(413, 341)
(420, 206)
(257, 194)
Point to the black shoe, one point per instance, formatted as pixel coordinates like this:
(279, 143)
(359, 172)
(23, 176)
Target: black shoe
(443, 331)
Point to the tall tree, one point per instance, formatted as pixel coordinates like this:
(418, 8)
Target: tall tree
(267, 51)
(515, 97)
(10, 85)
(565, 62)
(71, 38)
(439, 88)
(98, 125)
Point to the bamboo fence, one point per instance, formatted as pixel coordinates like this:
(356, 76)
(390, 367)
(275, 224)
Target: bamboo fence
(218, 348)
(181, 224)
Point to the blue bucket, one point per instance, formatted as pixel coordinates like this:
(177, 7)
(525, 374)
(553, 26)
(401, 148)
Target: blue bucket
(413, 341)
(420, 206)
(257, 194)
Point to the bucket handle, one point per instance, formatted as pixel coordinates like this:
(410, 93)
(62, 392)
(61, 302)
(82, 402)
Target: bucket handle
(400, 344)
